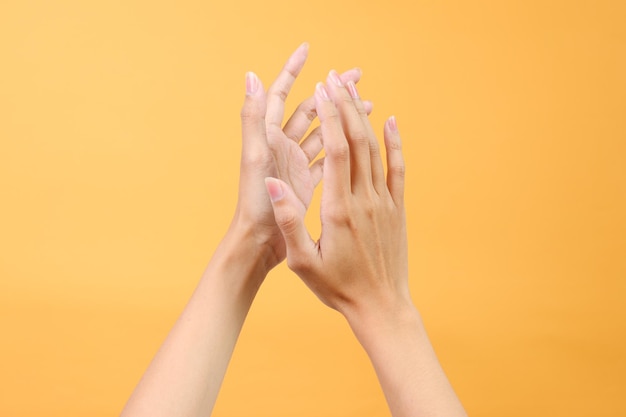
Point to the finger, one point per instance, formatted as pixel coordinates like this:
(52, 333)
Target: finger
(279, 90)
(253, 117)
(369, 107)
(355, 131)
(395, 162)
(376, 164)
(353, 75)
(337, 162)
(312, 145)
(301, 119)
(289, 216)
(317, 171)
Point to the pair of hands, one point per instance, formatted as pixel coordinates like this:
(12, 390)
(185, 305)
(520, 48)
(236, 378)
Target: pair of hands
(358, 266)
(360, 260)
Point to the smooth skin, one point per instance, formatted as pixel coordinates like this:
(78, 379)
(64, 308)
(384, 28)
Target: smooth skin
(185, 376)
(362, 209)
(367, 283)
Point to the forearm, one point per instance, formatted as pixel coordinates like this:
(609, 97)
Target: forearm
(185, 376)
(408, 369)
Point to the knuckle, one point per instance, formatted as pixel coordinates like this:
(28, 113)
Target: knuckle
(249, 112)
(369, 209)
(374, 149)
(308, 109)
(294, 137)
(346, 99)
(361, 110)
(360, 138)
(338, 151)
(256, 159)
(279, 92)
(288, 222)
(330, 114)
(291, 71)
(398, 170)
(315, 136)
(394, 144)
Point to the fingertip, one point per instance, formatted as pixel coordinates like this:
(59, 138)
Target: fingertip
(274, 189)
(351, 87)
(368, 106)
(296, 61)
(391, 130)
(393, 124)
(353, 74)
(334, 77)
(321, 91)
(252, 83)
(359, 74)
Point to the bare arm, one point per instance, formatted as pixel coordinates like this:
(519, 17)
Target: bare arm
(185, 376)
(359, 265)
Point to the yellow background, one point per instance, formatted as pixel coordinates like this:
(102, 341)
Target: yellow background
(119, 152)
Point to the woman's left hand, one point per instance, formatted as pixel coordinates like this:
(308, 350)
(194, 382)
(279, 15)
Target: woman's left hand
(270, 149)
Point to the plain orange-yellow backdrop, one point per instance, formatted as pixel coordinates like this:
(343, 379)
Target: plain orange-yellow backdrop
(119, 151)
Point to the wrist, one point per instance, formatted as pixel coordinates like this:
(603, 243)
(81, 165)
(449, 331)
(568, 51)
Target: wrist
(370, 323)
(256, 239)
(241, 260)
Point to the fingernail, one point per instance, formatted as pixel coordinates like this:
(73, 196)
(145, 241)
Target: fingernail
(322, 91)
(252, 83)
(393, 125)
(335, 77)
(274, 189)
(352, 90)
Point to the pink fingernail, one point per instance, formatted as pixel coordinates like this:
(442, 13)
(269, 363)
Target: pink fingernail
(322, 91)
(252, 83)
(352, 90)
(335, 77)
(393, 125)
(274, 189)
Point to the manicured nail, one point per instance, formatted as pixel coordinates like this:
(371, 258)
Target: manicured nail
(352, 90)
(274, 189)
(393, 125)
(335, 77)
(252, 83)
(322, 91)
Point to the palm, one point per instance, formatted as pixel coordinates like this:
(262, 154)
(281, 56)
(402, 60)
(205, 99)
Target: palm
(292, 166)
(282, 153)
(278, 154)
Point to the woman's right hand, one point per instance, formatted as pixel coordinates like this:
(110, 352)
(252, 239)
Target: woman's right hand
(359, 264)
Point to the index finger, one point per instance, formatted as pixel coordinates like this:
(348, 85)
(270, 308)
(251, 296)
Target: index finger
(305, 113)
(337, 160)
(279, 90)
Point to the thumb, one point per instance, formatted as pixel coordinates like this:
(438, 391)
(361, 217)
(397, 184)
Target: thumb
(289, 215)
